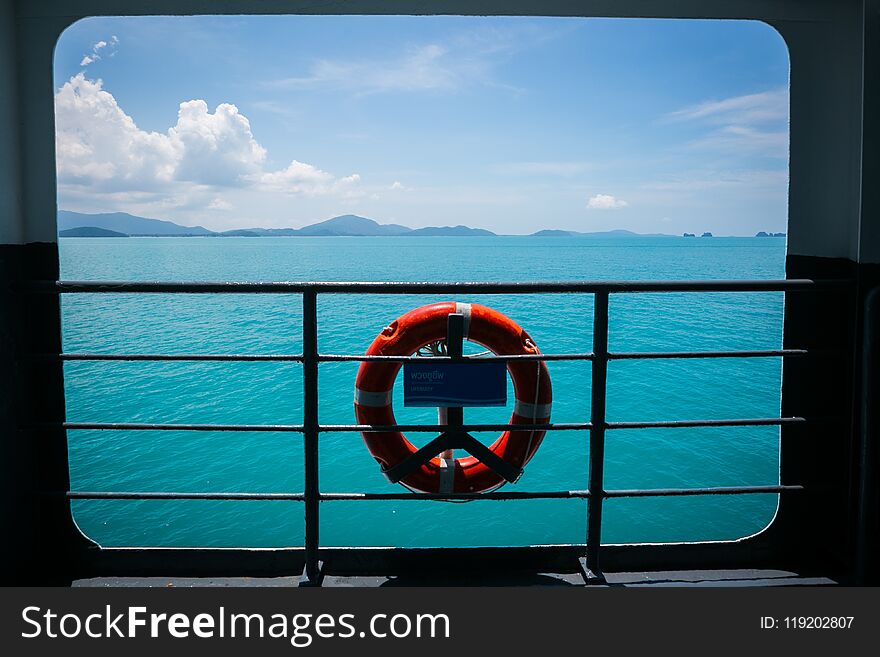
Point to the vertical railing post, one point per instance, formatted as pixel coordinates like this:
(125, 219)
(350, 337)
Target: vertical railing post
(592, 571)
(452, 416)
(312, 571)
(455, 349)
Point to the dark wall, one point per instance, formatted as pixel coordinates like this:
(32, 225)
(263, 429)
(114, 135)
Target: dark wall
(826, 524)
(39, 546)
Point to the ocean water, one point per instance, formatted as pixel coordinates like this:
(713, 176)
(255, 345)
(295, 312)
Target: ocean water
(272, 392)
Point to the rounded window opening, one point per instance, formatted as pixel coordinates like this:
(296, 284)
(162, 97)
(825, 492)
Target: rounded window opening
(397, 148)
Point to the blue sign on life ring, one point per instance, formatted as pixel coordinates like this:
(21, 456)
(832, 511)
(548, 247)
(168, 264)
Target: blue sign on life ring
(455, 384)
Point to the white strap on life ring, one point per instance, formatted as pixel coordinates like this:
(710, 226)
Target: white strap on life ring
(373, 399)
(447, 475)
(526, 409)
(465, 310)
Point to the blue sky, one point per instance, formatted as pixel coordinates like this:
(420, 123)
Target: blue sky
(509, 124)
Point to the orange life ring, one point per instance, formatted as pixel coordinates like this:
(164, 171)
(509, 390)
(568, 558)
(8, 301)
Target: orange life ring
(426, 325)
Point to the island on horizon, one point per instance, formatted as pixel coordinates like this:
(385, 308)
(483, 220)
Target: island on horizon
(90, 231)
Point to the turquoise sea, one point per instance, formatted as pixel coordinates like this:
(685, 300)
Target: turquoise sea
(272, 392)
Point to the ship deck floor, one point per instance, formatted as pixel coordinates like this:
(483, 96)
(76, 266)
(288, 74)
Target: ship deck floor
(686, 578)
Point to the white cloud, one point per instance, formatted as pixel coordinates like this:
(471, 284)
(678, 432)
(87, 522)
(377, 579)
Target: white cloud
(220, 204)
(101, 149)
(397, 186)
(752, 124)
(605, 202)
(467, 59)
(297, 175)
(99, 144)
(745, 140)
(96, 48)
(214, 149)
(749, 109)
(425, 68)
(302, 178)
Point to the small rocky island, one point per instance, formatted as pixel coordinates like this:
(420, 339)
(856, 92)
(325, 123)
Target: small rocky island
(763, 234)
(707, 234)
(90, 231)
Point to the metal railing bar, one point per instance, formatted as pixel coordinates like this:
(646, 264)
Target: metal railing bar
(329, 358)
(440, 428)
(115, 495)
(427, 428)
(299, 428)
(328, 497)
(680, 424)
(294, 358)
(311, 436)
(357, 287)
(683, 492)
(599, 384)
(761, 353)
(161, 426)
(495, 495)
(298, 358)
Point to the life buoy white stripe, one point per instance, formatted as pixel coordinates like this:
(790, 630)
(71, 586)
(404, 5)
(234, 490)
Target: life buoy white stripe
(465, 309)
(525, 409)
(447, 475)
(370, 398)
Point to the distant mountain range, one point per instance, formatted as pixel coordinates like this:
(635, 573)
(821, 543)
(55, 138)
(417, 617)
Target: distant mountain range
(127, 224)
(603, 233)
(348, 225)
(121, 224)
(89, 231)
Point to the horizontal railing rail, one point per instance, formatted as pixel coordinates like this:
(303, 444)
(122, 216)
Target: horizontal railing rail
(426, 428)
(652, 355)
(284, 358)
(311, 358)
(324, 428)
(410, 288)
(332, 358)
(494, 495)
